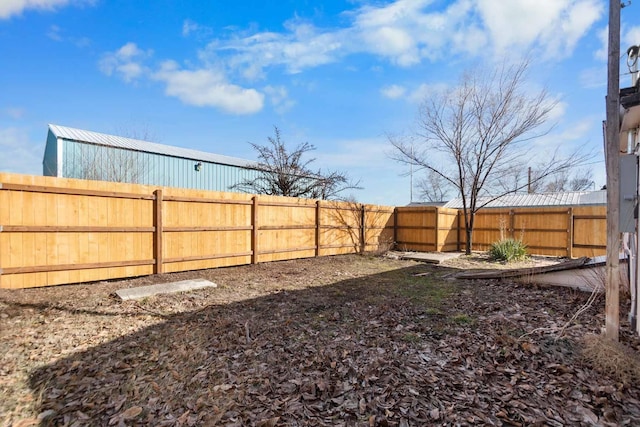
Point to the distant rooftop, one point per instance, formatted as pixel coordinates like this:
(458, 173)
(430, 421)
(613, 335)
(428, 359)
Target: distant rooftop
(568, 198)
(86, 136)
(437, 204)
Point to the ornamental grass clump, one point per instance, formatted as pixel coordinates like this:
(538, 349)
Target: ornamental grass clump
(508, 250)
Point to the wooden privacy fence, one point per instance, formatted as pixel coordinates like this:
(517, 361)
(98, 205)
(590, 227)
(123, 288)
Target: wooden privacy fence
(557, 231)
(427, 228)
(57, 231)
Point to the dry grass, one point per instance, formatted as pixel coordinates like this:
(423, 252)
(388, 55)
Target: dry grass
(612, 358)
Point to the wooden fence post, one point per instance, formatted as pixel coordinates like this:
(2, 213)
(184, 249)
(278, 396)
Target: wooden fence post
(570, 233)
(458, 245)
(512, 223)
(436, 228)
(254, 230)
(157, 236)
(362, 228)
(395, 228)
(318, 208)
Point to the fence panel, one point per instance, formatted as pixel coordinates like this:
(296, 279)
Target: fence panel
(56, 231)
(486, 229)
(589, 231)
(448, 231)
(545, 231)
(379, 227)
(286, 228)
(416, 228)
(340, 228)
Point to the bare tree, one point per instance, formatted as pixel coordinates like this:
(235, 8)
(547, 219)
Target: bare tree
(564, 180)
(582, 180)
(558, 182)
(473, 134)
(513, 178)
(102, 163)
(432, 187)
(137, 130)
(106, 163)
(286, 173)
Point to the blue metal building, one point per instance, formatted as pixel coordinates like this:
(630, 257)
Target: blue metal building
(76, 153)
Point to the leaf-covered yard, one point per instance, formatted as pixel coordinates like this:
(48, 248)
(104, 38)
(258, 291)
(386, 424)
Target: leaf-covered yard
(350, 340)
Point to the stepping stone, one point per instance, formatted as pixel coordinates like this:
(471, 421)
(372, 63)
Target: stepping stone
(164, 288)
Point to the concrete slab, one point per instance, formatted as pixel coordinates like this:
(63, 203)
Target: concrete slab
(430, 257)
(164, 288)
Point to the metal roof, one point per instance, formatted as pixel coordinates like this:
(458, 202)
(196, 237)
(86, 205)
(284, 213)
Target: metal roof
(569, 198)
(86, 136)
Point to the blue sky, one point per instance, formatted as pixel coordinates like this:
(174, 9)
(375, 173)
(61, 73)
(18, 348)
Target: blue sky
(342, 75)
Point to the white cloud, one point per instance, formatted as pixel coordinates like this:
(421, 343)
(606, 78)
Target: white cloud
(365, 153)
(558, 111)
(54, 33)
(127, 62)
(395, 43)
(279, 97)
(393, 91)
(9, 8)
(190, 28)
(403, 32)
(595, 77)
(569, 136)
(555, 25)
(15, 113)
(208, 88)
(424, 91)
(414, 95)
(301, 47)
(407, 32)
(19, 154)
(201, 87)
(630, 37)
(603, 38)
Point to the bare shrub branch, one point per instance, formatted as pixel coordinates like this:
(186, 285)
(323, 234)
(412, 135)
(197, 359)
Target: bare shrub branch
(285, 172)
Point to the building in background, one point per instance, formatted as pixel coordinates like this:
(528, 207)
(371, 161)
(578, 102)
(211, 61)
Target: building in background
(76, 153)
(537, 200)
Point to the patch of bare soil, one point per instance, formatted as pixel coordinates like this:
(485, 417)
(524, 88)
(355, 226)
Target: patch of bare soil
(350, 340)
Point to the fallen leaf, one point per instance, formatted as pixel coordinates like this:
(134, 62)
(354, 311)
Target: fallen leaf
(362, 405)
(434, 414)
(223, 387)
(26, 422)
(131, 413)
(271, 422)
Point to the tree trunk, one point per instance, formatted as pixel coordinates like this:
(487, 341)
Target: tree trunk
(469, 231)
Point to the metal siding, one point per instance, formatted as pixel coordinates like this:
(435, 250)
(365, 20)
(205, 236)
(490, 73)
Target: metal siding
(156, 169)
(85, 136)
(569, 198)
(50, 158)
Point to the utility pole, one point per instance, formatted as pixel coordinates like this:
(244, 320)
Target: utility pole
(612, 151)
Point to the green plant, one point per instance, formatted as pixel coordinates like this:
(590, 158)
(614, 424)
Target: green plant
(462, 319)
(508, 250)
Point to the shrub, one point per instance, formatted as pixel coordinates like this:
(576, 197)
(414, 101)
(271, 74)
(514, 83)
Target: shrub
(508, 250)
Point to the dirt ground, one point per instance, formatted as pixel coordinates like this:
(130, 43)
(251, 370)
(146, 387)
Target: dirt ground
(347, 340)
